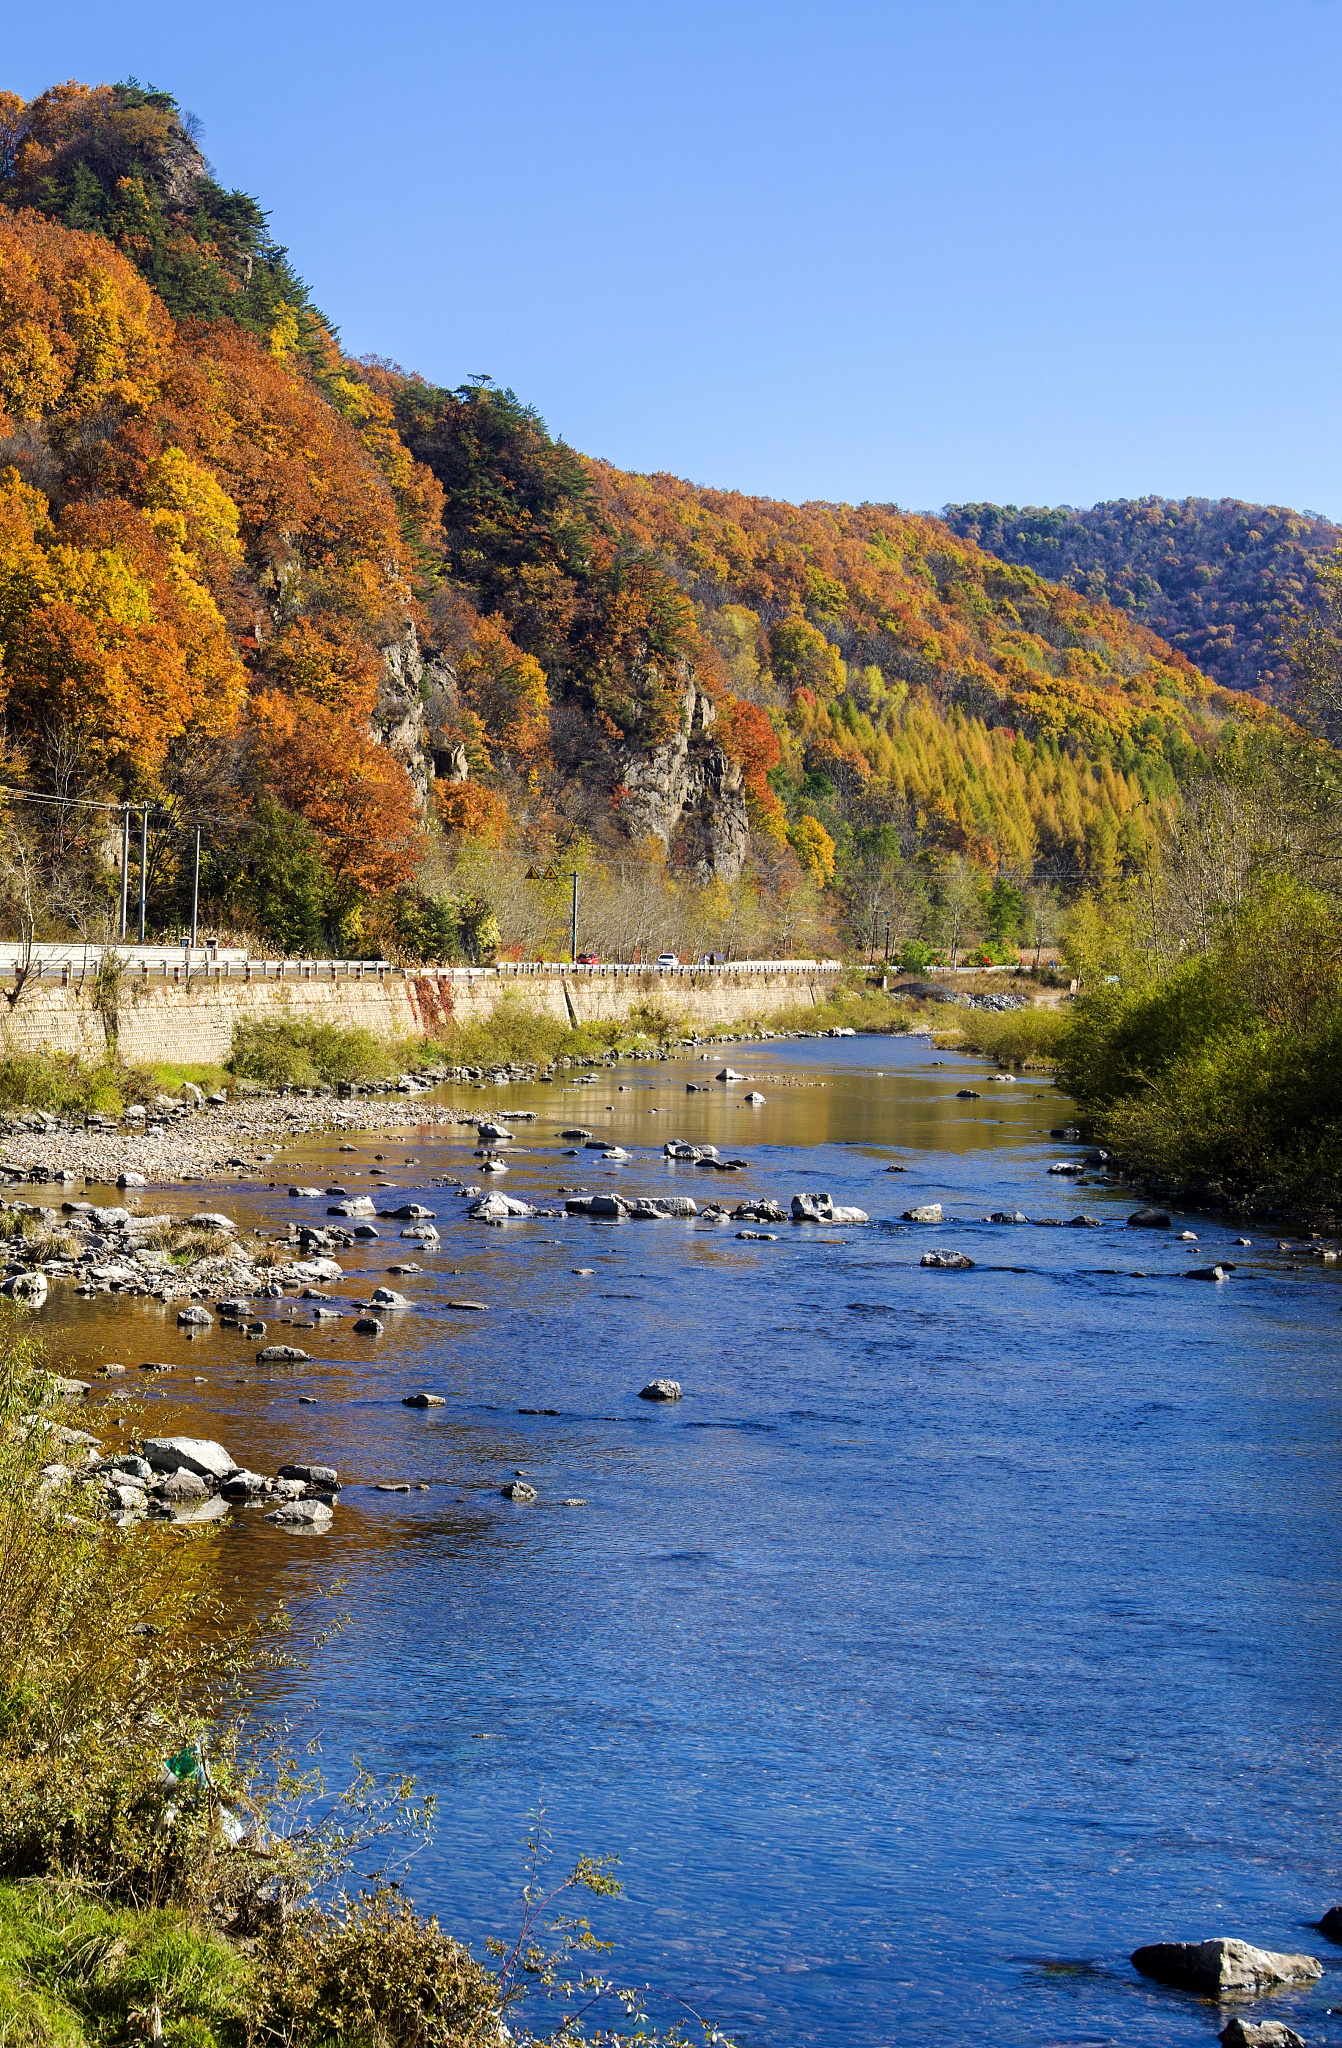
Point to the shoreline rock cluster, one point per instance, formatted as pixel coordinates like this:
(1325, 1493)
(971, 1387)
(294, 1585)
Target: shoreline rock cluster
(106, 1249)
(179, 1478)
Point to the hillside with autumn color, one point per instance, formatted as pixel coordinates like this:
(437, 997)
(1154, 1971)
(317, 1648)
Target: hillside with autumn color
(1223, 581)
(361, 627)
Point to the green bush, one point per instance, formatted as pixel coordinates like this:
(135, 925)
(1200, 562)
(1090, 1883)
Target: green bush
(372, 1971)
(287, 1051)
(1225, 1075)
(59, 1082)
(1014, 1038)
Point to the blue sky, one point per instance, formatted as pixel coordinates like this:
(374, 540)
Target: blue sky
(1041, 254)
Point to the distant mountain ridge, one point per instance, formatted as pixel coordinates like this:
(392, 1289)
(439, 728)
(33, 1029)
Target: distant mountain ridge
(1217, 578)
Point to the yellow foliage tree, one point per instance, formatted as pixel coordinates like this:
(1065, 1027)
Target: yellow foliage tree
(814, 849)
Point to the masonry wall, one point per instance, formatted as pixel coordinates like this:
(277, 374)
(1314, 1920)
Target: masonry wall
(159, 1021)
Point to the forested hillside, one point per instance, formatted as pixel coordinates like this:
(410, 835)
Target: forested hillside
(1218, 579)
(360, 626)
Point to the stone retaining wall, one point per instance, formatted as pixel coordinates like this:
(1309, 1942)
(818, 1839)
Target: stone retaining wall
(159, 1021)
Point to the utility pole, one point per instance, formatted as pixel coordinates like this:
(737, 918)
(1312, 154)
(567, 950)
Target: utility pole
(575, 918)
(195, 892)
(144, 864)
(125, 863)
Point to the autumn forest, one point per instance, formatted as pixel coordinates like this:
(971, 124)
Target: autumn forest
(386, 643)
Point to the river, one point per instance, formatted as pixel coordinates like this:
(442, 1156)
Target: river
(956, 1632)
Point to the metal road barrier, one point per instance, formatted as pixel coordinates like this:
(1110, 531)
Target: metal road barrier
(181, 966)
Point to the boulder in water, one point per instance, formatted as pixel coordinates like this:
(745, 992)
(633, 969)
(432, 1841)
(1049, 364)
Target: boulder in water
(303, 1514)
(660, 1390)
(926, 1212)
(197, 1454)
(28, 1288)
(1242, 2033)
(1225, 1964)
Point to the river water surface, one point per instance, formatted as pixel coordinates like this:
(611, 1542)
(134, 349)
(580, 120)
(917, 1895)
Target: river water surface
(955, 1633)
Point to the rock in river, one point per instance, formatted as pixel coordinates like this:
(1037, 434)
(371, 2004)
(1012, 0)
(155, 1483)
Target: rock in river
(28, 1288)
(1241, 2033)
(183, 1484)
(927, 1212)
(951, 1262)
(660, 1390)
(1214, 1967)
(1331, 1924)
(282, 1354)
(423, 1400)
(821, 1208)
(367, 1326)
(387, 1297)
(193, 1453)
(518, 1489)
(494, 1208)
(302, 1514)
(324, 1477)
(1149, 1219)
(195, 1317)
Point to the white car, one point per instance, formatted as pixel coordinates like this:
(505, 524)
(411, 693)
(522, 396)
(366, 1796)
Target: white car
(668, 960)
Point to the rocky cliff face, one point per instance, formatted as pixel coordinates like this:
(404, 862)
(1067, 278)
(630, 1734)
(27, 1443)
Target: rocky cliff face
(401, 720)
(690, 795)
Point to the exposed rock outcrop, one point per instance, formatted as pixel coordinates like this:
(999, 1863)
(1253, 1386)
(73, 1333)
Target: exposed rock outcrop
(401, 719)
(689, 794)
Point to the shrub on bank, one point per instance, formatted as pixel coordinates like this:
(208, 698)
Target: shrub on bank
(58, 1082)
(292, 1052)
(1224, 1075)
(1014, 1038)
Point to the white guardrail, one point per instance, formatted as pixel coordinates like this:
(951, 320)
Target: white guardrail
(181, 965)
